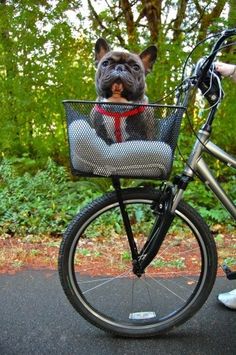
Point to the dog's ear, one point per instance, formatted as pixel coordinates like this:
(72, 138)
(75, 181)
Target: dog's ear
(101, 48)
(148, 57)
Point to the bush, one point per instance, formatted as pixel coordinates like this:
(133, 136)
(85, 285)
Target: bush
(40, 204)
(44, 203)
(200, 197)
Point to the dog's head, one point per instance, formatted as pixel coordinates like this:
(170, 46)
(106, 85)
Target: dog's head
(121, 72)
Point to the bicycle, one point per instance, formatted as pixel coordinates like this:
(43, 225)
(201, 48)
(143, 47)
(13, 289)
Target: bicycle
(167, 263)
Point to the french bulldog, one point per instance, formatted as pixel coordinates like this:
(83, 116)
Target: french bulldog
(120, 79)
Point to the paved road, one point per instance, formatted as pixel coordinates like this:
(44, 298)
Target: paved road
(35, 318)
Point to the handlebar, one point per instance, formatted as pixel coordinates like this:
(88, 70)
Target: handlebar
(226, 34)
(207, 79)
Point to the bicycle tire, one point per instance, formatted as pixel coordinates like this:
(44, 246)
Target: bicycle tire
(175, 286)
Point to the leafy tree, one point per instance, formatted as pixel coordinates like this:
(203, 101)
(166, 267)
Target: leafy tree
(42, 61)
(175, 27)
(45, 58)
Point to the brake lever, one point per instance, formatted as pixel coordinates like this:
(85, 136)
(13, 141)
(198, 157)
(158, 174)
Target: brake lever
(208, 84)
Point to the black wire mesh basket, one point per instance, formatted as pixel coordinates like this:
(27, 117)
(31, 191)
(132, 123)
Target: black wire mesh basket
(122, 140)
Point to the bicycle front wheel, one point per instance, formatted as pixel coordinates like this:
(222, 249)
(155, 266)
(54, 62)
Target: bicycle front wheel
(95, 266)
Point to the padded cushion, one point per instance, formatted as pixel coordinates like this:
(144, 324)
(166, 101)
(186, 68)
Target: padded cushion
(90, 154)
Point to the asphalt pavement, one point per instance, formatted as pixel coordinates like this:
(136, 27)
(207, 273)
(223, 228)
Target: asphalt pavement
(36, 318)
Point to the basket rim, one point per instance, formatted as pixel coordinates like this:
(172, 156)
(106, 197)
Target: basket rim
(125, 104)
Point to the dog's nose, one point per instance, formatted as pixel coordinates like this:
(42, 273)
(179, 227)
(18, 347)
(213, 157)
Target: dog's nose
(120, 67)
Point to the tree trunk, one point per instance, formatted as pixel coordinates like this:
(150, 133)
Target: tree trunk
(129, 19)
(152, 11)
(208, 18)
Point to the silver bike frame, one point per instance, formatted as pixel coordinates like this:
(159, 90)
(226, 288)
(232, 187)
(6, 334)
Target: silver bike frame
(196, 164)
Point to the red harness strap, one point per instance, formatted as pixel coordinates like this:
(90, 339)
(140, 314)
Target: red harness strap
(117, 116)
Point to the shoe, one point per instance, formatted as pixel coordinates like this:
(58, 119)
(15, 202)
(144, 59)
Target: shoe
(228, 299)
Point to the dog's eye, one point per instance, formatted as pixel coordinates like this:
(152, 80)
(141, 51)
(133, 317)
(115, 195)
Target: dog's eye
(136, 67)
(105, 63)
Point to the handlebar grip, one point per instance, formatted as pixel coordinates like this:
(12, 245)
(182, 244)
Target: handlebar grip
(206, 66)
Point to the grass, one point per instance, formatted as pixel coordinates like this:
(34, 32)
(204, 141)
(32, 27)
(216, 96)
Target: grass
(178, 263)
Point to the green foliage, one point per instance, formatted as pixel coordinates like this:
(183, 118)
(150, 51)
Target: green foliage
(230, 261)
(45, 58)
(200, 197)
(40, 204)
(178, 263)
(45, 203)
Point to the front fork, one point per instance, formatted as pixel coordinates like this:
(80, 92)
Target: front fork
(171, 196)
(164, 218)
(164, 209)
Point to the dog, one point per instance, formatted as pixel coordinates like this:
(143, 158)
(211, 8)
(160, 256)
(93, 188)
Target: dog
(120, 79)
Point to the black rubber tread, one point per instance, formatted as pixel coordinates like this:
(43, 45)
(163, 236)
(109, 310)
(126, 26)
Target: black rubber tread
(136, 193)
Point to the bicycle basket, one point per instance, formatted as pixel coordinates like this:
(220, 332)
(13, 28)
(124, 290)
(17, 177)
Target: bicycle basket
(122, 140)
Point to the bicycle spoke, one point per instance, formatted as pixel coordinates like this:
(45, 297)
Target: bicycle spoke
(105, 282)
(167, 288)
(97, 267)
